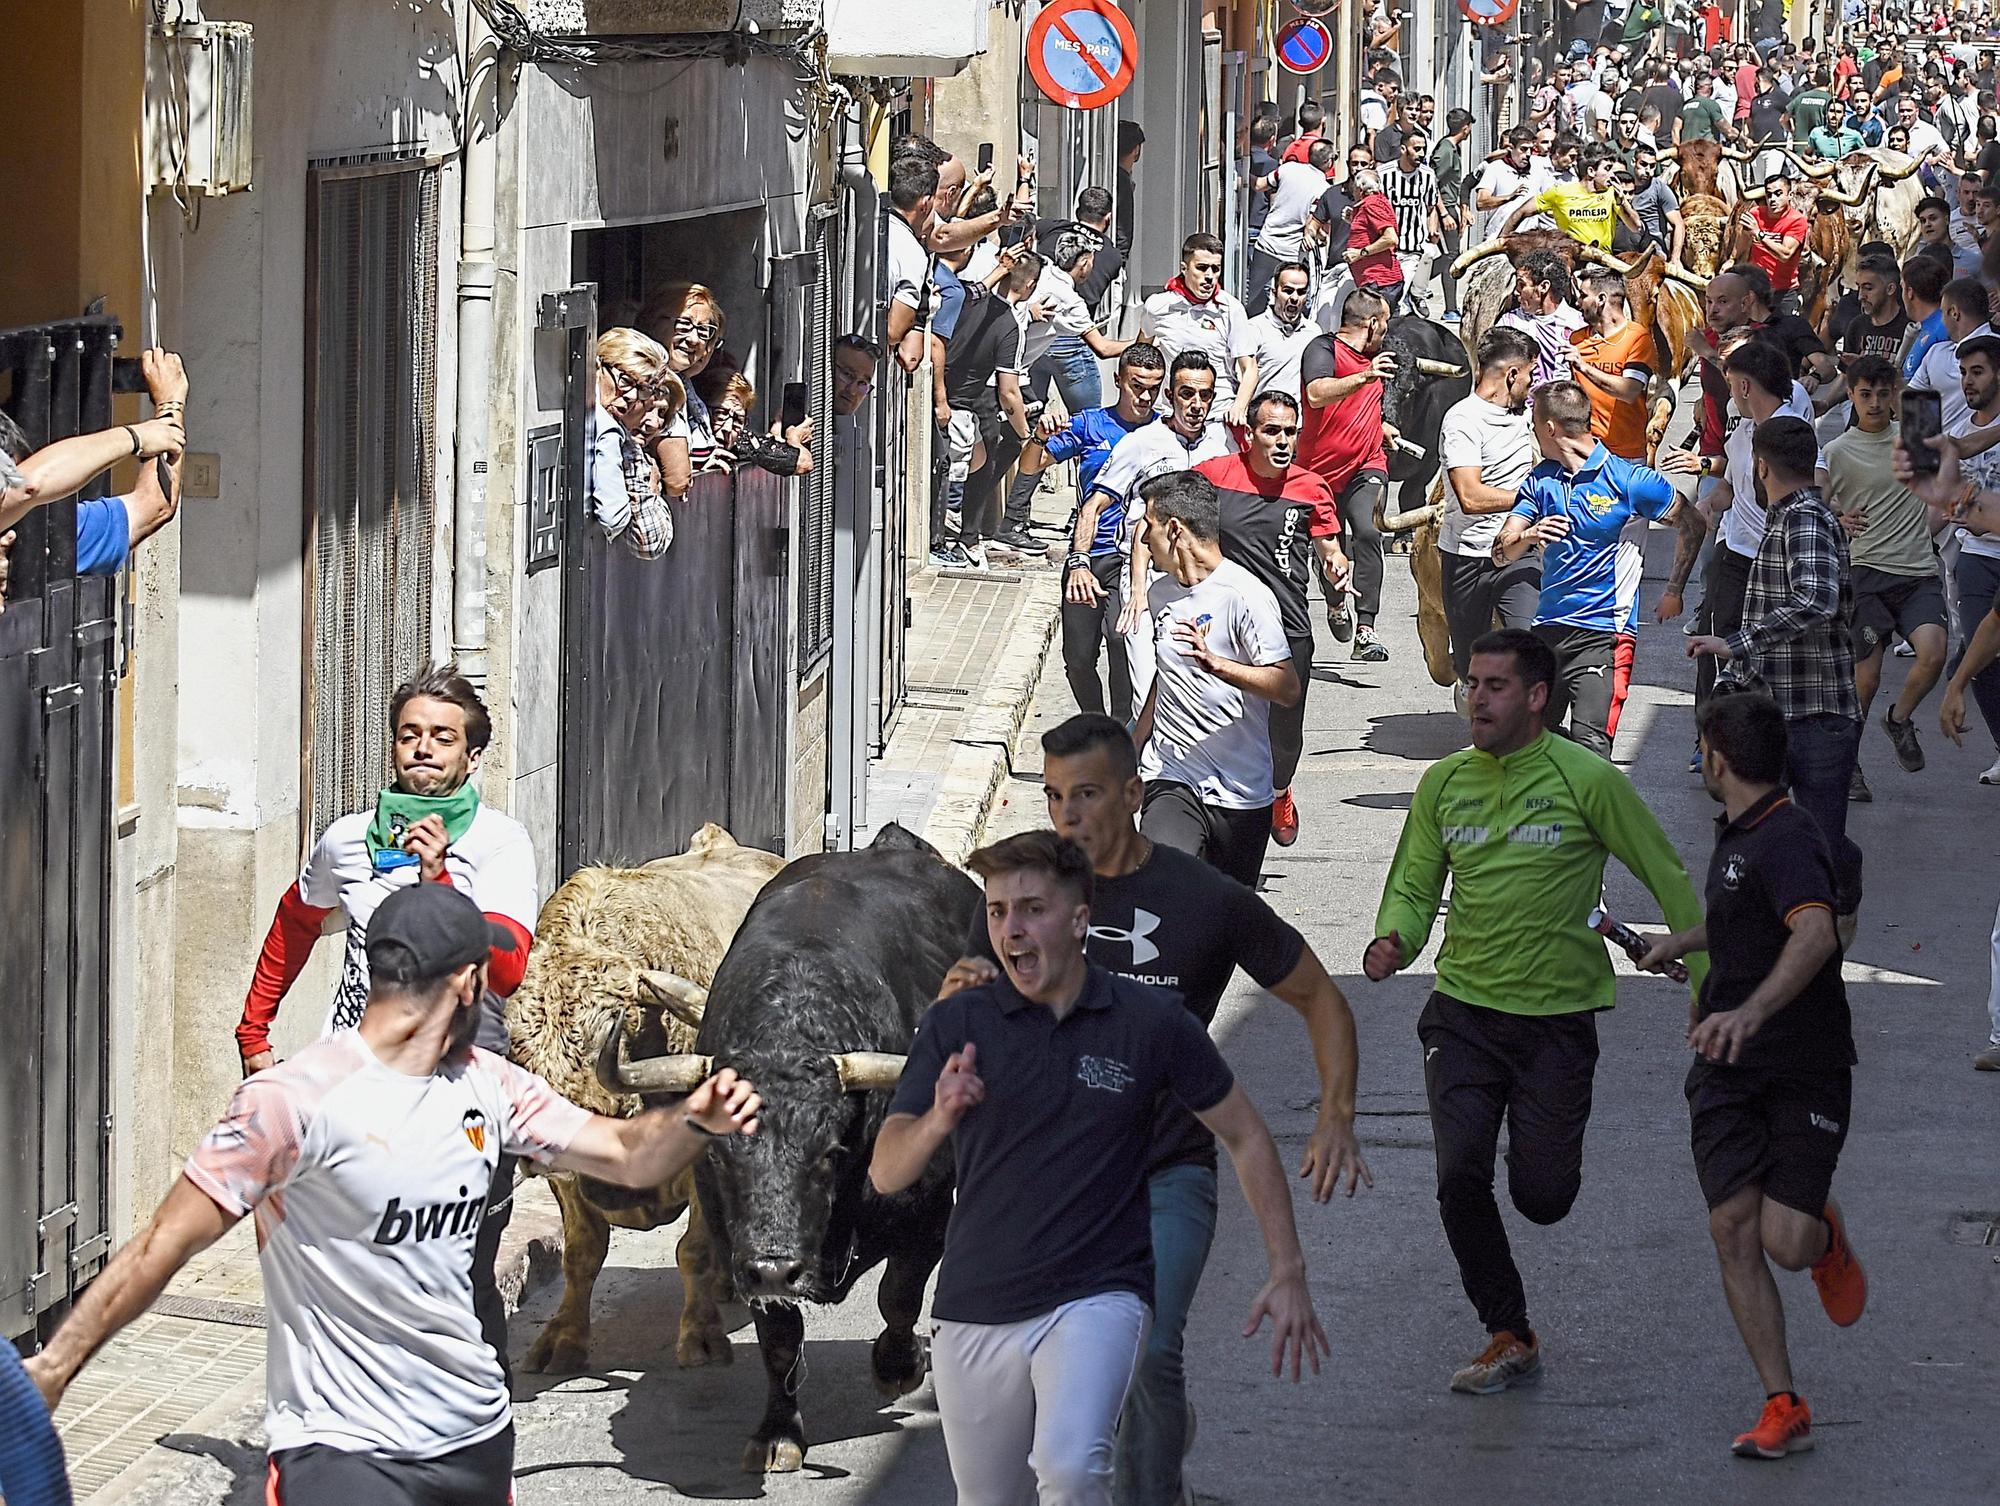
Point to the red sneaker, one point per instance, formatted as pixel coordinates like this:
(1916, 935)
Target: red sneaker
(1843, 1289)
(1284, 818)
(1785, 1428)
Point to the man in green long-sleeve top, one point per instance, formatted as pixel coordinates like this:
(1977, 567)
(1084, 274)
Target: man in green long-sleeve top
(1522, 821)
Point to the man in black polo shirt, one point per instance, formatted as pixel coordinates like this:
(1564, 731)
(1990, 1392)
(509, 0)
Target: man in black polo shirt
(1048, 1084)
(1768, 1094)
(1165, 917)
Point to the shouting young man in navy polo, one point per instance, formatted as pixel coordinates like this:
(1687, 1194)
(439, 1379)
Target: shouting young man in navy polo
(1046, 1082)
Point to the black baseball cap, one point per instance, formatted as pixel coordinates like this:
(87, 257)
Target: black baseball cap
(426, 930)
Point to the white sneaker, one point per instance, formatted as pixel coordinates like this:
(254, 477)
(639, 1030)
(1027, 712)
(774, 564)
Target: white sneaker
(1992, 775)
(1460, 701)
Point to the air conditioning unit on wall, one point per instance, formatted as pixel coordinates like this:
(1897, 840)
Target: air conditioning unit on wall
(198, 107)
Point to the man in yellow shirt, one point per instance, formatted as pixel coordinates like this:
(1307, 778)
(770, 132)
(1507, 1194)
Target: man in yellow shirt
(1587, 210)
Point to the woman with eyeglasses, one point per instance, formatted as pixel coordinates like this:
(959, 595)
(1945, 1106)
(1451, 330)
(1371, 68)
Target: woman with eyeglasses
(637, 398)
(730, 396)
(686, 318)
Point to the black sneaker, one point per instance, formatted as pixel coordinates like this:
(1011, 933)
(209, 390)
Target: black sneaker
(1904, 736)
(1857, 789)
(1368, 648)
(1021, 540)
(1340, 618)
(949, 556)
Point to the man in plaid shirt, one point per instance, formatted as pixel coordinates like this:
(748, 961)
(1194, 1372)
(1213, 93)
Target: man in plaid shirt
(1794, 639)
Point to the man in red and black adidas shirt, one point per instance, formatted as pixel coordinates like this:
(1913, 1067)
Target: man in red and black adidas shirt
(429, 826)
(1275, 517)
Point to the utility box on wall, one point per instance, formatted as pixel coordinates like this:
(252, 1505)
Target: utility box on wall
(198, 107)
(904, 38)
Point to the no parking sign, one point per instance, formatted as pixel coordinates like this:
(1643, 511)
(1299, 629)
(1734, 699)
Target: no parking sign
(1304, 45)
(1082, 53)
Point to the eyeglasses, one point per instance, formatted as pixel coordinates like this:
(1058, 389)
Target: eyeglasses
(706, 333)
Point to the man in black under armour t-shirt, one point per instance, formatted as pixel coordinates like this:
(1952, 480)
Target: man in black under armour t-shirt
(1167, 918)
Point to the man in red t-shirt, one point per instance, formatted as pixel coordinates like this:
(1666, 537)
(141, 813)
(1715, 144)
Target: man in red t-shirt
(1341, 437)
(1311, 119)
(1371, 239)
(1778, 234)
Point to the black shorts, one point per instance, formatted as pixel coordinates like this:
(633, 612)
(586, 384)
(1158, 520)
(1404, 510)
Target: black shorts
(1781, 1131)
(1885, 604)
(480, 1474)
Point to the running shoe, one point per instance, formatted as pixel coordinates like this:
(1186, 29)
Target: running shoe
(1992, 774)
(1340, 621)
(1020, 540)
(1987, 1060)
(1368, 648)
(1785, 1428)
(1285, 818)
(1843, 1289)
(950, 557)
(1857, 788)
(1904, 649)
(1694, 758)
(1904, 735)
(1505, 1361)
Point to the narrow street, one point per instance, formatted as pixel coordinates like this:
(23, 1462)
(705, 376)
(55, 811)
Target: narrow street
(1646, 1380)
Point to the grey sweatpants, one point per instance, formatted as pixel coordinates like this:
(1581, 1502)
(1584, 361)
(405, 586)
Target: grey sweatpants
(1030, 1409)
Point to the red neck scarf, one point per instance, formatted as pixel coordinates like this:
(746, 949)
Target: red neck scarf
(1175, 285)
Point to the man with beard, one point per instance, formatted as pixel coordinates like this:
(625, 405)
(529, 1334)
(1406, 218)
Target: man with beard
(1162, 917)
(1275, 517)
(428, 827)
(365, 1159)
(1771, 1085)
(1046, 1083)
(1521, 822)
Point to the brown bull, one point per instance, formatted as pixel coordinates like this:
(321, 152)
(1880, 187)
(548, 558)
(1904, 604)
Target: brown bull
(641, 944)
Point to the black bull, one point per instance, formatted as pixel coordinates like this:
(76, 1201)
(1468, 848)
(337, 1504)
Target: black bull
(1416, 401)
(840, 954)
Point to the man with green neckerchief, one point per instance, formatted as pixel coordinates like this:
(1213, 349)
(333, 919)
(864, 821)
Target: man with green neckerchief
(429, 826)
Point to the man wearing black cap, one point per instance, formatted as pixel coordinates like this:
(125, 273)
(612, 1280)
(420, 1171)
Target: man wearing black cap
(366, 1159)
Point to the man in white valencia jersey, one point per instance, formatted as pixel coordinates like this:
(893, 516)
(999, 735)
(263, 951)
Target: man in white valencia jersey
(366, 1160)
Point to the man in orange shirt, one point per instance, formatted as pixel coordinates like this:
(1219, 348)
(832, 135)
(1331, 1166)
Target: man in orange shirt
(1612, 359)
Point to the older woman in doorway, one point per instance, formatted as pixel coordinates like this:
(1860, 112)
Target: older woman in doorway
(637, 396)
(730, 396)
(686, 318)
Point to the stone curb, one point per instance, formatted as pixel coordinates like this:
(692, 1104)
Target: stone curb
(982, 748)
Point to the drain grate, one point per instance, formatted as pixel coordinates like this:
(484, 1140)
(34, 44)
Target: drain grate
(211, 1310)
(1976, 1229)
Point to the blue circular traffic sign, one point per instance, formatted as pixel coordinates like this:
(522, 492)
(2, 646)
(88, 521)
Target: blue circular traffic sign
(1082, 53)
(1304, 46)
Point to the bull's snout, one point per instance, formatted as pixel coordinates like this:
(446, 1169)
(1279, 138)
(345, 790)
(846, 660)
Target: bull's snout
(771, 1276)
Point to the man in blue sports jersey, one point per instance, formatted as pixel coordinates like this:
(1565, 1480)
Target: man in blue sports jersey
(1575, 504)
(1924, 279)
(1096, 553)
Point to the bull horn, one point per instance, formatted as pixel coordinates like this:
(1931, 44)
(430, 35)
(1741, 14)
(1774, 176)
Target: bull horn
(1849, 200)
(1437, 368)
(676, 1075)
(1897, 175)
(1477, 253)
(1810, 169)
(1681, 274)
(1391, 521)
(1671, 154)
(683, 1000)
(867, 1071)
(1752, 195)
(1604, 258)
(1736, 154)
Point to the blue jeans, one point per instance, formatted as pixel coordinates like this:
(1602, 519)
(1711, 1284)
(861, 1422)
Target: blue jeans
(1820, 752)
(1074, 367)
(1152, 1436)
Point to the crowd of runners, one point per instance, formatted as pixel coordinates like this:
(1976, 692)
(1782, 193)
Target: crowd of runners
(1242, 458)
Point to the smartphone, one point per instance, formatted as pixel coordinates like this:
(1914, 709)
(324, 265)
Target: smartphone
(986, 156)
(1923, 418)
(794, 409)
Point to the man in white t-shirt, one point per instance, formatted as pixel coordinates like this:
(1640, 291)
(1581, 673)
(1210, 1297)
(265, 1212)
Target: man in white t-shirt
(1297, 186)
(366, 1160)
(1204, 735)
(913, 186)
(1186, 438)
(1487, 447)
(428, 827)
(1282, 332)
(1963, 305)
(1503, 187)
(1193, 313)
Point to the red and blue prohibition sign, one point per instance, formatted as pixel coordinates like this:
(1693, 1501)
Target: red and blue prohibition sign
(1082, 53)
(1304, 45)
(1488, 12)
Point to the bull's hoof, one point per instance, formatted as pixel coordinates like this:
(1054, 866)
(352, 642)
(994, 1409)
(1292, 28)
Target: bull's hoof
(556, 1352)
(703, 1346)
(898, 1362)
(774, 1456)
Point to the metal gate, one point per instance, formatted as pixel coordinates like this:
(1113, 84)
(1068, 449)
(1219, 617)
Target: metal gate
(673, 693)
(58, 668)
